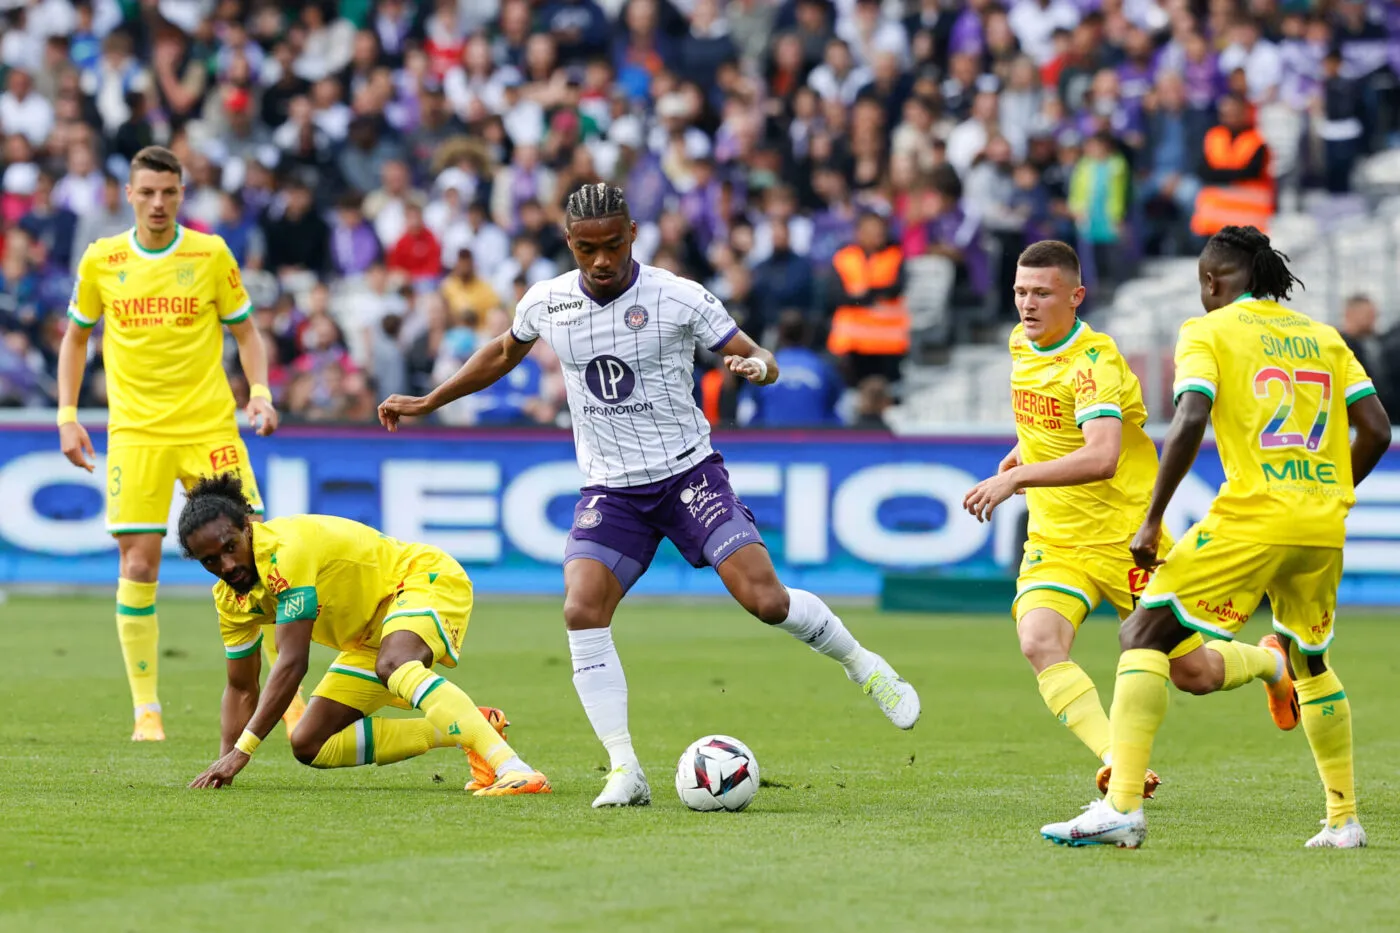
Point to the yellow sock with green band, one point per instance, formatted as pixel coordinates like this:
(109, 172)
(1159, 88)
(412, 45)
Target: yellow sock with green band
(1327, 722)
(1139, 706)
(453, 713)
(139, 633)
(1244, 663)
(1074, 701)
(378, 741)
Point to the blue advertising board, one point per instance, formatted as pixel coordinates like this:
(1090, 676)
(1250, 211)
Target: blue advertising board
(837, 509)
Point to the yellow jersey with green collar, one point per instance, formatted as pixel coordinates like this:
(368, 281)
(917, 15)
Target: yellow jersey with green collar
(1055, 391)
(1280, 384)
(339, 573)
(163, 343)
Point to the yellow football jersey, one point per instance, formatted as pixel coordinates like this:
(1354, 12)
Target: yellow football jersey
(1054, 391)
(340, 573)
(1280, 383)
(163, 343)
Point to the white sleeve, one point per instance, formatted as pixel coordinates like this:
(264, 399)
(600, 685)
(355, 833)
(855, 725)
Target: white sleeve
(711, 323)
(526, 326)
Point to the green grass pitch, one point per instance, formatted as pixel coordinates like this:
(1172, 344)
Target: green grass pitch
(861, 827)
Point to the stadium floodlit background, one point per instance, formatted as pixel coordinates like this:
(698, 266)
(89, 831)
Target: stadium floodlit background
(390, 174)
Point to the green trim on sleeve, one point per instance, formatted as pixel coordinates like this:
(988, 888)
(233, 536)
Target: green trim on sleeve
(1359, 394)
(243, 651)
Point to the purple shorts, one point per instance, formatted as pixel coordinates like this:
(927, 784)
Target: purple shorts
(698, 510)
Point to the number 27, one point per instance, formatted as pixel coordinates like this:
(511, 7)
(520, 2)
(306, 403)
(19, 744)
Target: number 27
(1272, 436)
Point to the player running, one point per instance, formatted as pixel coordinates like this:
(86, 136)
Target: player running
(1086, 466)
(1282, 392)
(165, 291)
(392, 609)
(625, 334)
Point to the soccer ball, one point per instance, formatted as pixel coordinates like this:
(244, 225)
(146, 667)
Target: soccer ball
(717, 772)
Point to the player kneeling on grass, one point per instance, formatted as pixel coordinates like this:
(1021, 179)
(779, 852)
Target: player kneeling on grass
(392, 609)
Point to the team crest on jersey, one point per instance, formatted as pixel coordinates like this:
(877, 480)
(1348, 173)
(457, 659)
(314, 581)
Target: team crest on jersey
(589, 518)
(635, 317)
(185, 275)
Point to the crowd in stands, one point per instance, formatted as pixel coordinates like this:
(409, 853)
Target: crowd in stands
(391, 173)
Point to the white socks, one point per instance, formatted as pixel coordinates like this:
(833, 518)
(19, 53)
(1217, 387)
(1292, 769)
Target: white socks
(602, 688)
(811, 621)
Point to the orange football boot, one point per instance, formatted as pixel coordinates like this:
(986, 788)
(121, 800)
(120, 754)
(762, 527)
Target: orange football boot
(1283, 697)
(483, 775)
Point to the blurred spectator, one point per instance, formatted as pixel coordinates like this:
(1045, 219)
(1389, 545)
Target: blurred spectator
(872, 401)
(297, 236)
(782, 282)
(1098, 196)
(1174, 145)
(806, 393)
(1338, 109)
(954, 233)
(524, 262)
(354, 246)
(466, 292)
(1035, 23)
(417, 254)
(112, 216)
(870, 327)
(53, 227)
(23, 111)
(1235, 169)
(1378, 354)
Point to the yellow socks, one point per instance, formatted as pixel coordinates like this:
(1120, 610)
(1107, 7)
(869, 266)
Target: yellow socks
(1074, 701)
(381, 742)
(1139, 706)
(1244, 663)
(1327, 722)
(139, 635)
(453, 713)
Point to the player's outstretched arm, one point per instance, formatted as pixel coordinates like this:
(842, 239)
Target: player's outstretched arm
(72, 359)
(293, 655)
(1368, 416)
(1178, 453)
(253, 356)
(240, 699)
(1096, 460)
(485, 367)
(748, 359)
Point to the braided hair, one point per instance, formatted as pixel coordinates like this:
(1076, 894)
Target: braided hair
(211, 497)
(595, 201)
(1249, 249)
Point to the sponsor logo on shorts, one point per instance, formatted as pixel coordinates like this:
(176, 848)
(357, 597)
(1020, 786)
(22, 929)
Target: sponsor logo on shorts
(728, 541)
(1225, 612)
(589, 518)
(635, 317)
(1137, 580)
(703, 503)
(224, 457)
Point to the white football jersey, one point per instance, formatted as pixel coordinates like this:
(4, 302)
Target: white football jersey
(627, 368)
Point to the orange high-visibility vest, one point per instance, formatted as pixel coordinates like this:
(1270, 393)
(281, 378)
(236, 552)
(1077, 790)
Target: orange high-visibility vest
(879, 329)
(711, 388)
(1245, 203)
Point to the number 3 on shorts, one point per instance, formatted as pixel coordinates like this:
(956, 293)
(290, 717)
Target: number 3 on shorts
(114, 486)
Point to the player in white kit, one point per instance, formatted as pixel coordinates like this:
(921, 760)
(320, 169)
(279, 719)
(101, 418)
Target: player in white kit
(625, 334)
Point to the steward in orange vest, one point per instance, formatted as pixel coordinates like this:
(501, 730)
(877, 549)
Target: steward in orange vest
(871, 319)
(1236, 171)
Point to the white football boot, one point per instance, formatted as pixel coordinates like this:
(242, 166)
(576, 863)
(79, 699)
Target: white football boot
(895, 696)
(626, 787)
(1100, 825)
(1349, 835)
